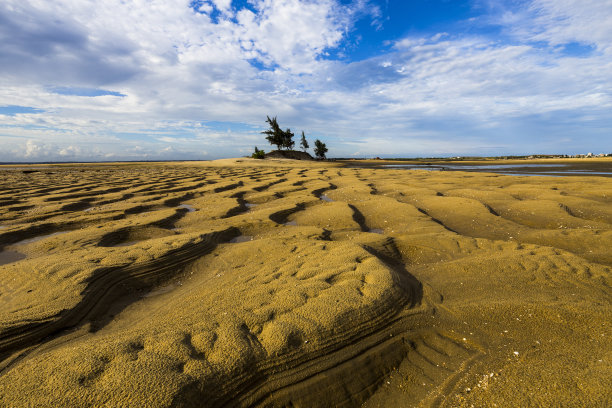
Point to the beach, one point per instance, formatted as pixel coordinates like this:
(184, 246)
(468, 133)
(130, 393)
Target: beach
(244, 282)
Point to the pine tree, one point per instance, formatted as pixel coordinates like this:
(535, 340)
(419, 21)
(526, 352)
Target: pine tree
(288, 142)
(320, 149)
(274, 135)
(304, 142)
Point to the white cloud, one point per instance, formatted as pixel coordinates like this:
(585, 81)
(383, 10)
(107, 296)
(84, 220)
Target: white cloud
(179, 67)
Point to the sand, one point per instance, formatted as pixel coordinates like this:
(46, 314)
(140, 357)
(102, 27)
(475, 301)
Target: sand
(284, 283)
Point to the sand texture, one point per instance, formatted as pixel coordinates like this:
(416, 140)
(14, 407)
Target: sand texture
(281, 283)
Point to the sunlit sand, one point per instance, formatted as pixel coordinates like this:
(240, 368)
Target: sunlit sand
(283, 283)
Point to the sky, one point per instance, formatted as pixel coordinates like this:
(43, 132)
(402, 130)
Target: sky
(89, 80)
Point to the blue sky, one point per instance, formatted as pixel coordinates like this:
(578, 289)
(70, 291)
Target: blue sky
(185, 79)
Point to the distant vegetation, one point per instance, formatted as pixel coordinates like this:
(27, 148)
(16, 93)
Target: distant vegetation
(304, 142)
(320, 149)
(283, 140)
(258, 154)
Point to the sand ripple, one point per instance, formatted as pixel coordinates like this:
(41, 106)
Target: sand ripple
(352, 286)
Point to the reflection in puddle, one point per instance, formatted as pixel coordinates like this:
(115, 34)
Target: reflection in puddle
(7, 257)
(241, 238)
(188, 207)
(294, 223)
(376, 230)
(326, 198)
(39, 238)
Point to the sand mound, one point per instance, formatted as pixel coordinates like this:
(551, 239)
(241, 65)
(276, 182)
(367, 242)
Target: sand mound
(288, 154)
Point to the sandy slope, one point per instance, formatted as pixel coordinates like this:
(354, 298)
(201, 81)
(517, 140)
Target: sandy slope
(277, 283)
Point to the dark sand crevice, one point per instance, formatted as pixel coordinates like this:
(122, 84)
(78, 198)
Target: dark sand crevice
(359, 218)
(33, 231)
(228, 187)
(437, 221)
(266, 186)
(175, 201)
(77, 206)
(319, 192)
(169, 222)
(281, 217)
(240, 208)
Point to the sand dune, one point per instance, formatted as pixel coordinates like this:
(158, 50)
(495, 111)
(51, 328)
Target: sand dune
(282, 283)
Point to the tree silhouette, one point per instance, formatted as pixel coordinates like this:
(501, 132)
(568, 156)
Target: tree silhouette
(304, 142)
(274, 135)
(320, 149)
(288, 139)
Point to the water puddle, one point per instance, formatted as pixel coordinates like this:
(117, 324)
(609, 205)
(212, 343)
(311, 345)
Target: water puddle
(533, 169)
(39, 238)
(531, 174)
(292, 223)
(241, 238)
(7, 257)
(326, 198)
(472, 166)
(411, 167)
(581, 172)
(376, 230)
(188, 207)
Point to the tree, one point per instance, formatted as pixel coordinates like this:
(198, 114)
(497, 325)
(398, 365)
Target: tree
(320, 149)
(304, 142)
(274, 135)
(288, 139)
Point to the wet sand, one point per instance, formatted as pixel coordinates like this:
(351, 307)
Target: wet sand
(279, 283)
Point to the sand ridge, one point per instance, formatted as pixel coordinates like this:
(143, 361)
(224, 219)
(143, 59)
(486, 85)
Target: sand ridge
(353, 285)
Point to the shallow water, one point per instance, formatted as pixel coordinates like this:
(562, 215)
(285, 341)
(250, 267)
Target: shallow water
(39, 238)
(188, 207)
(124, 244)
(7, 257)
(540, 169)
(241, 238)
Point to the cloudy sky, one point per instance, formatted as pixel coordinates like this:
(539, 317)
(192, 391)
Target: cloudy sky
(195, 79)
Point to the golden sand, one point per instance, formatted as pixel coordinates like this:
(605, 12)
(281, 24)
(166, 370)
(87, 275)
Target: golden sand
(282, 283)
